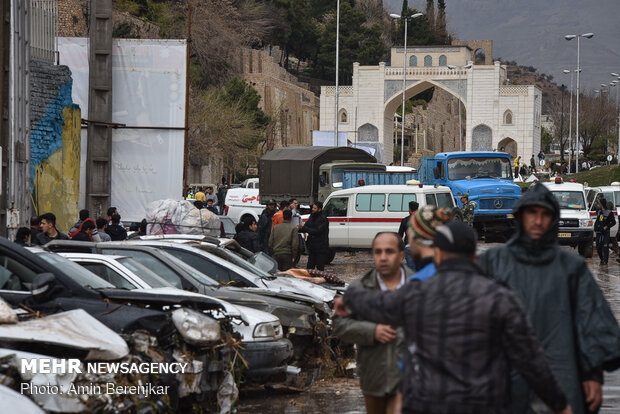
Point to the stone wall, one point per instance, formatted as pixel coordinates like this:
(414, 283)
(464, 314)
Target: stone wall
(73, 18)
(54, 143)
(290, 103)
(440, 121)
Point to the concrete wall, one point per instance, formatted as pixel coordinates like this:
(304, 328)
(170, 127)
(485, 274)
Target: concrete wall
(455, 55)
(54, 143)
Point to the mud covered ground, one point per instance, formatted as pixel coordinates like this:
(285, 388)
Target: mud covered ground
(342, 395)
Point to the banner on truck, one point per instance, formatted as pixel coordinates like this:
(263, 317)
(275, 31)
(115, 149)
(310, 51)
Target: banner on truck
(148, 81)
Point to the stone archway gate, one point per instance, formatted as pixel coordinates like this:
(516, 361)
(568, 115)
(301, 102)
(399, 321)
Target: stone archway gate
(376, 93)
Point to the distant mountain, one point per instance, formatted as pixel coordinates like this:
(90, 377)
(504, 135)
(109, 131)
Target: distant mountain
(532, 33)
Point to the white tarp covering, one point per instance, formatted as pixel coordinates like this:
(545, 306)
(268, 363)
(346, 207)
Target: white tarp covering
(75, 329)
(148, 81)
(180, 217)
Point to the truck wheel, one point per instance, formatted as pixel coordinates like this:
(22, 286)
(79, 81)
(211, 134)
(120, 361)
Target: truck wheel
(457, 213)
(330, 256)
(586, 249)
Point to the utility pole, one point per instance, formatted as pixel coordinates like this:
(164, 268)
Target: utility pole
(562, 88)
(337, 70)
(99, 147)
(186, 136)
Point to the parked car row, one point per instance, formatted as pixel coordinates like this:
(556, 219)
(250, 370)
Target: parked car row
(198, 299)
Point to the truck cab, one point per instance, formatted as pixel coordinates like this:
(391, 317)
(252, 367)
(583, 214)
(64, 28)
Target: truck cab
(575, 221)
(332, 175)
(485, 176)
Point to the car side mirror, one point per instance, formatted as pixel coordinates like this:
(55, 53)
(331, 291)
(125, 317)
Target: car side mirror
(42, 285)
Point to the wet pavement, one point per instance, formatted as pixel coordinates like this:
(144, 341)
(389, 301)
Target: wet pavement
(342, 395)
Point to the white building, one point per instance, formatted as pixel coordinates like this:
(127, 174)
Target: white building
(498, 116)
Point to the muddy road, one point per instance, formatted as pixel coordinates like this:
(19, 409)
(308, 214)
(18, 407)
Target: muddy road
(342, 395)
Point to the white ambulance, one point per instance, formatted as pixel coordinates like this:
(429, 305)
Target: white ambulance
(576, 225)
(356, 215)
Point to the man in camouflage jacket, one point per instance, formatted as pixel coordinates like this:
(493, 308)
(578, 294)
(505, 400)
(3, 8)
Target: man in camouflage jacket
(468, 209)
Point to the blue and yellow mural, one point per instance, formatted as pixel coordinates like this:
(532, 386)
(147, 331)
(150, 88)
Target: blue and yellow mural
(54, 144)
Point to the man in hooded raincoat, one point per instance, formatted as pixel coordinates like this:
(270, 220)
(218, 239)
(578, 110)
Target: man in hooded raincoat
(571, 318)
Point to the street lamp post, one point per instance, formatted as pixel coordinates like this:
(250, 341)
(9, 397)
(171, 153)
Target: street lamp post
(614, 82)
(402, 119)
(460, 68)
(337, 55)
(570, 120)
(571, 37)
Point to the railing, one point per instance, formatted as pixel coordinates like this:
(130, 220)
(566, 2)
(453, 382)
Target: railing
(513, 90)
(342, 90)
(43, 29)
(426, 71)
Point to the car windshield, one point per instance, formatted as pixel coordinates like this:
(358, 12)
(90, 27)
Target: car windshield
(234, 259)
(338, 173)
(201, 277)
(479, 167)
(572, 200)
(76, 272)
(144, 273)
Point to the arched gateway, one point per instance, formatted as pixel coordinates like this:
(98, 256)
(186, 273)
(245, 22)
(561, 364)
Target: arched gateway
(376, 93)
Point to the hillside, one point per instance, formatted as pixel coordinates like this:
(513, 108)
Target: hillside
(528, 75)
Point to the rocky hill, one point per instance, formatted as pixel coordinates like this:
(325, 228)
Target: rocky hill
(528, 75)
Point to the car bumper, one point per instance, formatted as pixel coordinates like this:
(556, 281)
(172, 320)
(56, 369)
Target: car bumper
(573, 236)
(267, 361)
(495, 222)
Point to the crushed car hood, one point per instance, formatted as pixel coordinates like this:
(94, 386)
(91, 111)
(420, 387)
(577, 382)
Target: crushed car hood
(73, 329)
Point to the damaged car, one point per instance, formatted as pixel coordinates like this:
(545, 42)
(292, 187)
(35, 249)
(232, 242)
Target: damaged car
(263, 349)
(156, 328)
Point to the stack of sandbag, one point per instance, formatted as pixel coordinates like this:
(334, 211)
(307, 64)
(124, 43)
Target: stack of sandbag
(180, 217)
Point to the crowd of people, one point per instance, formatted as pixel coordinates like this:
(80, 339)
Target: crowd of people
(522, 328)
(43, 229)
(278, 233)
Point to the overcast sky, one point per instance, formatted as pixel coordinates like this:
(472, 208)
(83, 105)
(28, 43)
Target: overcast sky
(532, 33)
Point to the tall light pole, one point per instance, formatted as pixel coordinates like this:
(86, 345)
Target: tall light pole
(460, 69)
(402, 118)
(614, 82)
(337, 56)
(571, 37)
(570, 120)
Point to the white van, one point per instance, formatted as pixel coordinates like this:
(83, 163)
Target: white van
(611, 193)
(241, 202)
(356, 215)
(576, 226)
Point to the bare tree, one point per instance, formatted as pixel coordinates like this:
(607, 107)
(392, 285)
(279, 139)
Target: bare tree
(221, 27)
(224, 128)
(597, 118)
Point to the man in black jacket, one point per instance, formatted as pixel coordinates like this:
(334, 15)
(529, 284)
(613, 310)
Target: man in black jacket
(570, 316)
(246, 234)
(404, 223)
(463, 332)
(264, 225)
(317, 228)
(605, 220)
(50, 232)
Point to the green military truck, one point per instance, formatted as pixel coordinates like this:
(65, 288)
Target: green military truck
(309, 173)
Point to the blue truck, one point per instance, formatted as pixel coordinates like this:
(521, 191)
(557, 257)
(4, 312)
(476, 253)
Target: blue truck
(485, 176)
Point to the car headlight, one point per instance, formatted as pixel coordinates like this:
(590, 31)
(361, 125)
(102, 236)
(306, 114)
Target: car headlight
(585, 223)
(271, 330)
(195, 327)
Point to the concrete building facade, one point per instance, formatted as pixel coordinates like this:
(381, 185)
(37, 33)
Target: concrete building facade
(496, 116)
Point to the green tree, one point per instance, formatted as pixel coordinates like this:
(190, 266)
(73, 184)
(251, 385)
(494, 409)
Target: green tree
(418, 30)
(238, 92)
(358, 43)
